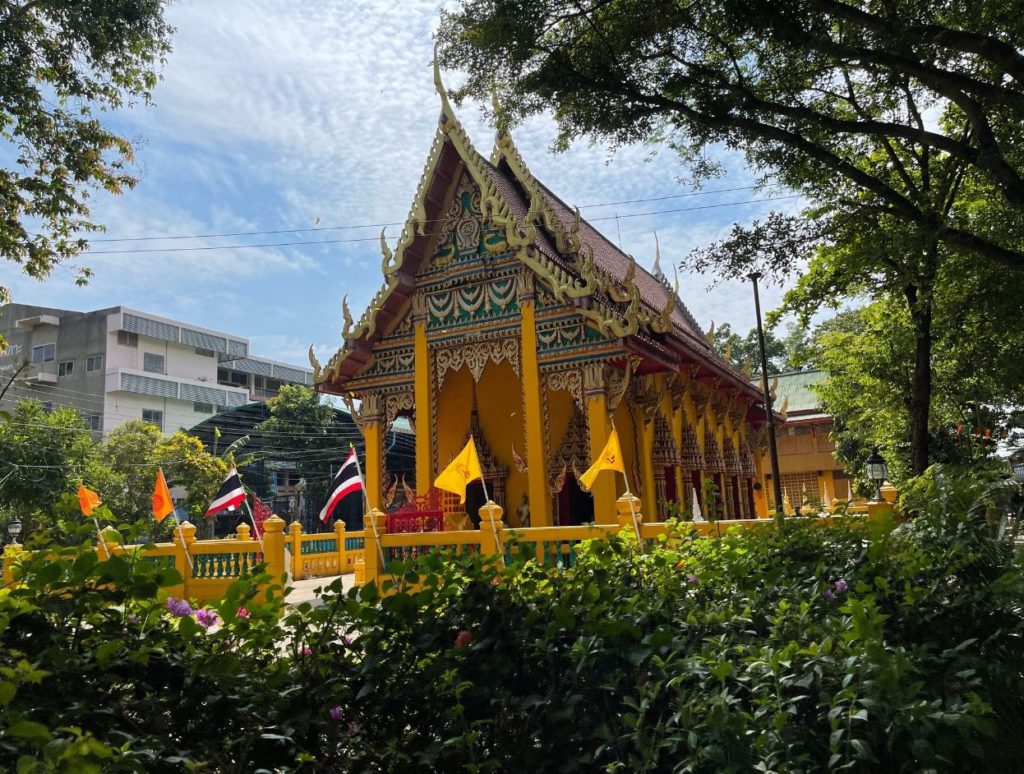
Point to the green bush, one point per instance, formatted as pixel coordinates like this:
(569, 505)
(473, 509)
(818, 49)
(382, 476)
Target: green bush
(788, 648)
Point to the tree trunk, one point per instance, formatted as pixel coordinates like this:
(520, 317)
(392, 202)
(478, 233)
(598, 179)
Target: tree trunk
(921, 382)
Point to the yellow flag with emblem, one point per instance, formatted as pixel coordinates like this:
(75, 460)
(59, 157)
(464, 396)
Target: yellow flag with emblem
(460, 471)
(610, 458)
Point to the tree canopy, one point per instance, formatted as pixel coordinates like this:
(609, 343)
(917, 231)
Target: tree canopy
(63, 60)
(805, 88)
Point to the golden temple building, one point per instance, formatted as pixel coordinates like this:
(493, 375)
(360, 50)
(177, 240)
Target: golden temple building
(506, 315)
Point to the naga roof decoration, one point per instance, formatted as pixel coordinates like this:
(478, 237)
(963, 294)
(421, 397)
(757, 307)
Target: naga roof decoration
(573, 262)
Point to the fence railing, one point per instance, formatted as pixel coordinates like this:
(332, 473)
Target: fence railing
(370, 552)
(548, 546)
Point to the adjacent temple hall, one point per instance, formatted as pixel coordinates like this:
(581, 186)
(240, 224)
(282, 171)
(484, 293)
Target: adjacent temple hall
(505, 315)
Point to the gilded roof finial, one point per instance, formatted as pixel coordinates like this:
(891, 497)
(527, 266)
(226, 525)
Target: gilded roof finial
(656, 271)
(447, 112)
(709, 337)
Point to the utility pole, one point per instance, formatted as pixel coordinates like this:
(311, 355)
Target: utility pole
(773, 451)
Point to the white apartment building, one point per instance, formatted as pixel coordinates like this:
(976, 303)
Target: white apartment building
(118, 364)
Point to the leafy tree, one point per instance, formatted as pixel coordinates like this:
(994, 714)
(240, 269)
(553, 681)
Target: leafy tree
(784, 354)
(807, 89)
(305, 430)
(126, 466)
(63, 60)
(42, 456)
(868, 352)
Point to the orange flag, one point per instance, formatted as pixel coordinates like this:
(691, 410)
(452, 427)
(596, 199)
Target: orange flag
(87, 499)
(162, 505)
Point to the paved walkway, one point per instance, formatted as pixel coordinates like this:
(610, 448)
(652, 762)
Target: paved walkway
(306, 590)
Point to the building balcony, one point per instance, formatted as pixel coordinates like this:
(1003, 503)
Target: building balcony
(144, 383)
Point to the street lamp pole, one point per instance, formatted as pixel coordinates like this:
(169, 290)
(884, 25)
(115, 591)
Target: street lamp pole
(773, 451)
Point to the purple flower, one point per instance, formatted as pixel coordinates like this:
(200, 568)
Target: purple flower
(337, 714)
(840, 587)
(179, 608)
(829, 595)
(134, 619)
(306, 651)
(207, 618)
(353, 728)
(691, 579)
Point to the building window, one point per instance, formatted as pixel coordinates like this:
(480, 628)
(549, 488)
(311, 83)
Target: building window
(205, 352)
(202, 408)
(93, 421)
(65, 368)
(153, 417)
(127, 339)
(44, 353)
(94, 363)
(153, 363)
(231, 378)
(264, 387)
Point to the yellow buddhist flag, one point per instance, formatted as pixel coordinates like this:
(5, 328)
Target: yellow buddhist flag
(87, 499)
(460, 471)
(162, 505)
(610, 458)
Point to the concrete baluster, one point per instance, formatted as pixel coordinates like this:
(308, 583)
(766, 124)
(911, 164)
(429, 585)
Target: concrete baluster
(295, 546)
(376, 524)
(339, 536)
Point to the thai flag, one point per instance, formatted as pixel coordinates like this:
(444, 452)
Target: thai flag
(229, 496)
(346, 481)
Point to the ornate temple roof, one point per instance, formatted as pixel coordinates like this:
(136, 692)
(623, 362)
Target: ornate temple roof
(572, 260)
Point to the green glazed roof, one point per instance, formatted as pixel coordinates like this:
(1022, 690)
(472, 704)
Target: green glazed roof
(795, 386)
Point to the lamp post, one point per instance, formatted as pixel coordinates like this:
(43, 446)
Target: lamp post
(773, 451)
(877, 471)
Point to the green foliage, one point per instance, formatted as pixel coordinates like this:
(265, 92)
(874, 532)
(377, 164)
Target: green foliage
(786, 354)
(62, 62)
(789, 648)
(42, 454)
(846, 102)
(126, 465)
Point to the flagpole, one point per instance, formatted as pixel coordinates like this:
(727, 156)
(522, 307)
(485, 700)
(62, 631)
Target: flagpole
(184, 545)
(629, 497)
(366, 502)
(487, 498)
(99, 535)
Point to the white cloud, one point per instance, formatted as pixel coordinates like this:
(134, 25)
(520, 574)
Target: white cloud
(275, 114)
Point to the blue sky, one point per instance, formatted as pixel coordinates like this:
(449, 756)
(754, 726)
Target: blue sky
(278, 115)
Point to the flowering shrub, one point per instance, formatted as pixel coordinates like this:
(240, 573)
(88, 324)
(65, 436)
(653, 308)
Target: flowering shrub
(790, 648)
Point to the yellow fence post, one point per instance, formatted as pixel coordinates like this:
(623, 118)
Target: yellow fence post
(376, 524)
(295, 544)
(273, 547)
(339, 537)
(491, 539)
(242, 533)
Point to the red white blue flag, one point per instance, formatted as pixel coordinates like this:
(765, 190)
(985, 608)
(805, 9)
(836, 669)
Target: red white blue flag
(229, 496)
(346, 481)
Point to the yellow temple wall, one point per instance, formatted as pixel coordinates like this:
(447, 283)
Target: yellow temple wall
(561, 410)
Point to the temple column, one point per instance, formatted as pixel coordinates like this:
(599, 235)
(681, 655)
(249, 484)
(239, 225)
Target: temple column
(424, 422)
(760, 496)
(599, 430)
(373, 436)
(537, 491)
(646, 454)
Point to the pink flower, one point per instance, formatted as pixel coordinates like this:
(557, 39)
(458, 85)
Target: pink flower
(463, 638)
(207, 618)
(306, 651)
(336, 713)
(242, 613)
(829, 596)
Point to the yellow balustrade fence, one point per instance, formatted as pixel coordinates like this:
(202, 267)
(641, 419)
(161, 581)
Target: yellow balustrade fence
(548, 546)
(215, 564)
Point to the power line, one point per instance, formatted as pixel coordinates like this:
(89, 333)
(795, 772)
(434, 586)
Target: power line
(308, 242)
(395, 223)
